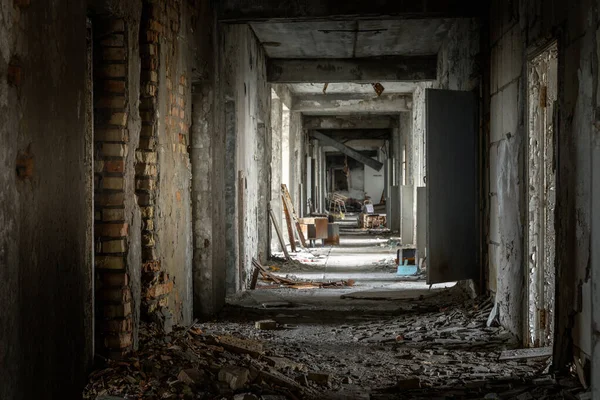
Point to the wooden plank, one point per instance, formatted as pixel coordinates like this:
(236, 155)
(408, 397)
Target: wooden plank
(241, 228)
(288, 198)
(254, 278)
(349, 151)
(525, 353)
(288, 221)
(279, 234)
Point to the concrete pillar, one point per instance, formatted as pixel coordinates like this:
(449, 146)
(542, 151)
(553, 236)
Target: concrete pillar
(202, 202)
(231, 199)
(276, 166)
(595, 261)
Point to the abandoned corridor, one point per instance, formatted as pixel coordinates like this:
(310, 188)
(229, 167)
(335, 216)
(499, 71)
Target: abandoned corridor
(412, 189)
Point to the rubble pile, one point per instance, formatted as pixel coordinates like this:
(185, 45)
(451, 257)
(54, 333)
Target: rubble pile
(426, 349)
(188, 364)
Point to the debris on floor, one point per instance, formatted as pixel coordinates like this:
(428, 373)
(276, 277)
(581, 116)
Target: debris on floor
(295, 283)
(197, 366)
(430, 349)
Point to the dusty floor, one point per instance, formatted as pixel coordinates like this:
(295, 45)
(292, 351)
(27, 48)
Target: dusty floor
(387, 337)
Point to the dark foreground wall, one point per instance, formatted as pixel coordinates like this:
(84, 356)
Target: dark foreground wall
(45, 201)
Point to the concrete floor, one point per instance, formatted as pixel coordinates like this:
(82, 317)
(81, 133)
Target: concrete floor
(365, 257)
(387, 337)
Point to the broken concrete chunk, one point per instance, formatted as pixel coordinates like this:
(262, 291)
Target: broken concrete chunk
(266, 325)
(235, 377)
(282, 363)
(301, 379)
(241, 346)
(191, 376)
(320, 378)
(275, 378)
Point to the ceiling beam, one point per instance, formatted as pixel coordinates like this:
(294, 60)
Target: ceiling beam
(348, 122)
(349, 151)
(359, 70)
(355, 134)
(340, 104)
(244, 11)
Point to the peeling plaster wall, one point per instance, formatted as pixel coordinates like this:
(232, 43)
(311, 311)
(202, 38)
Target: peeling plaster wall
(297, 160)
(173, 202)
(45, 219)
(532, 23)
(506, 157)
(207, 155)
(246, 85)
(276, 168)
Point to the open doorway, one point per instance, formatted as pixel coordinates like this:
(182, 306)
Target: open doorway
(542, 90)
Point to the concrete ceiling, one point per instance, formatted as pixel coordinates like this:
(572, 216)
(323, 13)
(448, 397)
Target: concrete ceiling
(349, 39)
(343, 88)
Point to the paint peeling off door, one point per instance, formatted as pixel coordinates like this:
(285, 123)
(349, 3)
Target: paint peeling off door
(452, 186)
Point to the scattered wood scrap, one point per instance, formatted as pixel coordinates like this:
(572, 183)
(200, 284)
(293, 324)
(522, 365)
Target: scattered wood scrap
(295, 284)
(526, 353)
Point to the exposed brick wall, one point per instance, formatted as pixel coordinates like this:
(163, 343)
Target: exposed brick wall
(158, 32)
(114, 331)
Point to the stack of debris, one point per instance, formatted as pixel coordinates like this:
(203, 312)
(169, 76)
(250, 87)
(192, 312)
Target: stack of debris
(191, 365)
(278, 281)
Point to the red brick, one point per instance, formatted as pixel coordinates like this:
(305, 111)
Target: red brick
(151, 37)
(148, 239)
(149, 253)
(109, 262)
(115, 40)
(151, 266)
(109, 199)
(115, 279)
(145, 184)
(145, 199)
(113, 86)
(113, 214)
(118, 325)
(148, 49)
(119, 341)
(147, 143)
(147, 131)
(111, 102)
(112, 71)
(110, 26)
(115, 295)
(111, 230)
(111, 135)
(114, 54)
(155, 25)
(117, 310)
(159, 290)
(114, 166)
(145, 170)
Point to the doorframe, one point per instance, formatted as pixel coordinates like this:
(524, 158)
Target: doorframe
(532, 51)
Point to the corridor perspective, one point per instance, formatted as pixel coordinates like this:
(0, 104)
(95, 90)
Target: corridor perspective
(308, 199)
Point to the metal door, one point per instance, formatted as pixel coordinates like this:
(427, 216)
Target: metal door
(452, 186)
